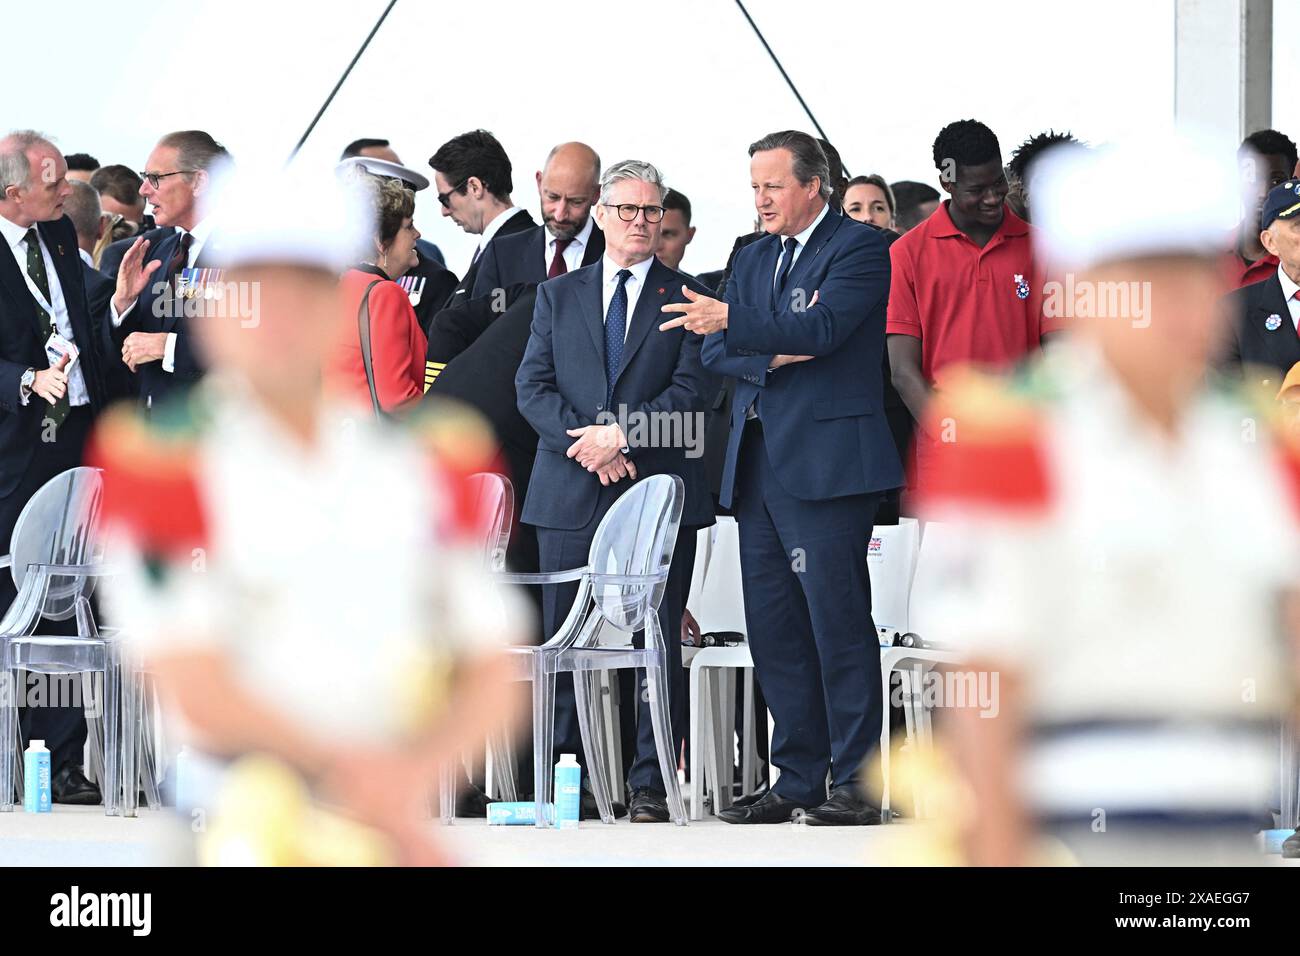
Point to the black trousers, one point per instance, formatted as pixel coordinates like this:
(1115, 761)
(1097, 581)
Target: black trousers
(808, 613)
(562, 549)
(63, 728)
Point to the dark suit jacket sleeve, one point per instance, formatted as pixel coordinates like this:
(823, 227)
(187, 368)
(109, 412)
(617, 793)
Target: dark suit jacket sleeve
(539, 398)
(693, 387)
(747, 368)
(855, 284)
(185, 364)
(11, 376)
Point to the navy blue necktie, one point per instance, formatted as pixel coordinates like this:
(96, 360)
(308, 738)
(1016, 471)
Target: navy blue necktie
(787, 261)
(615, 333)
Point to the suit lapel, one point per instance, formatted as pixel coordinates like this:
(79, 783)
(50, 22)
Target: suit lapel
(593, 312)
(771, 253)
(595, 246)
(659, 285)
(1283, 342)
(13, 281)
(167, 316)
(816, 243)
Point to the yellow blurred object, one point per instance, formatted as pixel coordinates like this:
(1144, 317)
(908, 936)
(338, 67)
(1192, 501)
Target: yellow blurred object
(928, 778)
(265, 817)
(423, 688)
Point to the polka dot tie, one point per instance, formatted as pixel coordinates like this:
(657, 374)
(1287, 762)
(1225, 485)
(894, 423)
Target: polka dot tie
(615, 333)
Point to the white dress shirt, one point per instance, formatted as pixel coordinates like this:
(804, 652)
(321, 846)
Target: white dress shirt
(490, 230)
(802, 240)
(86, 257)
(15, 237)
(1289, 289)
(572, 254)
(633, 287)
(200, 233)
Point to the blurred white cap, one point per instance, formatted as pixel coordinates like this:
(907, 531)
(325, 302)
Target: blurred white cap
(382, 167)
(1163, 193)
(299, 215)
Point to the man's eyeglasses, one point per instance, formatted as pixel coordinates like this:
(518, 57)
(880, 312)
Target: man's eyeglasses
(156, 178)
(627, 211)
(445, 198)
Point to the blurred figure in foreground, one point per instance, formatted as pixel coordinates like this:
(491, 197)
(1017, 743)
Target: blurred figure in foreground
(1125, 720)
(296, 579)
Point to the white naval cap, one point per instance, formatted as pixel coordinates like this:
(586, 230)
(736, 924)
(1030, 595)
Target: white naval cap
(382, 167)
(300, 215)
(1098, 205)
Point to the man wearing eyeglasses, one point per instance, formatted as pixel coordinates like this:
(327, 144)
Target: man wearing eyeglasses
(595, 374)
(147, 325)
(471, 173)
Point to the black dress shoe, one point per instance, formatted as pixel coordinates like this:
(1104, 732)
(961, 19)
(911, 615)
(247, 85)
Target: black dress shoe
(844, 808)
(646, 806)
(472, 802)
(749, 799)
(1291, 847)
(770, 808)
(70, 786)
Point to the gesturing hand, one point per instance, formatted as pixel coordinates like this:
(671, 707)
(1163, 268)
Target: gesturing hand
(700, 314)
(133, 275)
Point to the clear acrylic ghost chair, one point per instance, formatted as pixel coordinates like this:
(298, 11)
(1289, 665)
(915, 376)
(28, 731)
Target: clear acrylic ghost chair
(621, 586)
(493, 503)
(59, 525)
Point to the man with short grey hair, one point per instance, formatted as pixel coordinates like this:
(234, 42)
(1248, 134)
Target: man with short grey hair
(596, 378)
(147, 327)
(802, 330)
(47, 404)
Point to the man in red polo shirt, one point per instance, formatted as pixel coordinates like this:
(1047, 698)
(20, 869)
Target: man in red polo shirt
(964, 288)
(1265, 159)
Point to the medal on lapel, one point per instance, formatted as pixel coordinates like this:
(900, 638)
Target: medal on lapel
(1273, 322)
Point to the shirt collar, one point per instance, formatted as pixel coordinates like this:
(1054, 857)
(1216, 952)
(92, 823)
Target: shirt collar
(638, 271)
(940, 224)
(1288, 287)
(580, 240)
(200, 232)
(13, 232)
(492, 228)
(804, 236)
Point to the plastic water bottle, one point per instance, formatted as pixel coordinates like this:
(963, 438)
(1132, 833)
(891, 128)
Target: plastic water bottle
(36, 778)
(568, 792)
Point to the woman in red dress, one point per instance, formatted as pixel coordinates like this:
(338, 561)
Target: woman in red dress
(397, 343)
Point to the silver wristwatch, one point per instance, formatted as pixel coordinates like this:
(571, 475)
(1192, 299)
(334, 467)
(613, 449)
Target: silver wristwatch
(25, 384)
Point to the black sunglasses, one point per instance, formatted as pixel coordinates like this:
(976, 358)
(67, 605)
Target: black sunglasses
(444, 197)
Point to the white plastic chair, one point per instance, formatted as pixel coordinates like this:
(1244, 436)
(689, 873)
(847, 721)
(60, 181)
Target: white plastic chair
(621, 586)
(718, 601)
(913, 662)
(493, 499)
(55, 539)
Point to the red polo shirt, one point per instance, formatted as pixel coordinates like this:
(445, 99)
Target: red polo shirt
(966, 304)
(1242, 273)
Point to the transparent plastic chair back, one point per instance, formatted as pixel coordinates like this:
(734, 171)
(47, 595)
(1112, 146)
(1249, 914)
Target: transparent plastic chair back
(493, 501)
(60, 525)
(636, 537)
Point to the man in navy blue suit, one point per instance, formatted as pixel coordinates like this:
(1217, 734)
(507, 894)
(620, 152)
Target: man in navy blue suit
(802, 330)
(594, 355)
(146, 324)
